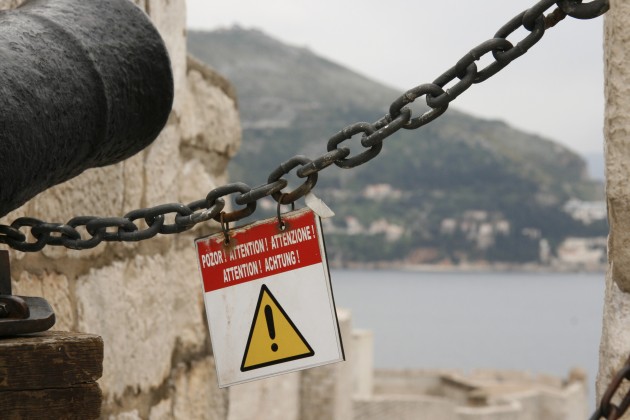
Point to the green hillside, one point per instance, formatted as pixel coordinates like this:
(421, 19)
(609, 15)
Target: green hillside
(457, 171)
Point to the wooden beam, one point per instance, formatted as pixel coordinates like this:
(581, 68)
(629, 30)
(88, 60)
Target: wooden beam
(51, 375)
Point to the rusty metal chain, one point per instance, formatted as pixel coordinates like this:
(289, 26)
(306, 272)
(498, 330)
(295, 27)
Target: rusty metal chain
(185, 216)
(142, 224)
(607, 409)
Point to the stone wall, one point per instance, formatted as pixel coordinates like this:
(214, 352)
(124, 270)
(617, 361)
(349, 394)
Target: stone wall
(363, 360)
(615, 343)
(145, 298)
(479, 395)
(326, 392)
(403, 407)
(508, 410)
(276, 398)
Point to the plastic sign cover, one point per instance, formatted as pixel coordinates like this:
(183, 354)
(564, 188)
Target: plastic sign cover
(268, 298)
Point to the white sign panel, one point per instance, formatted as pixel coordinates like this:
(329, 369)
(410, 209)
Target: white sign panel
(268, 299)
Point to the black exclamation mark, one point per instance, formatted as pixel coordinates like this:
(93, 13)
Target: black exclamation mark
(270, 326)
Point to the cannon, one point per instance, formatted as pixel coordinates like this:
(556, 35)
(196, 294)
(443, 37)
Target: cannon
(85, 83)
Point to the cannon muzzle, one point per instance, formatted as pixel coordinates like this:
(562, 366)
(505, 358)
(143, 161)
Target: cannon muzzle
(84, 83)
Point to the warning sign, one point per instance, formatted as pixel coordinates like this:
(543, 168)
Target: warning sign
(273, 338)
(268, 299)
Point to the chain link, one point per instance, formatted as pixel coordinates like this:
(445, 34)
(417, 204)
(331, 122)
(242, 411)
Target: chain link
(83, 232)
(302, 190)
(607, 409)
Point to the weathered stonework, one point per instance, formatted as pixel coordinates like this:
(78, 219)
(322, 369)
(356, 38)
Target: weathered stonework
(10, 4)
(196, 394)
(146, 314)
(55, 288)
(326, 391)
(617, 127)
(276, 398)
(144, 299)
(615, 343)
(404, 407)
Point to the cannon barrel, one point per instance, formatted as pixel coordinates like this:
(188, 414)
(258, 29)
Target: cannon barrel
(84, 83)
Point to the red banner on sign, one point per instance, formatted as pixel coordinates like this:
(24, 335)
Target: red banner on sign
(259, 250)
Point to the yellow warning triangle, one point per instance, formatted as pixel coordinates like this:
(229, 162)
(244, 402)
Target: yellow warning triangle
(273, 338)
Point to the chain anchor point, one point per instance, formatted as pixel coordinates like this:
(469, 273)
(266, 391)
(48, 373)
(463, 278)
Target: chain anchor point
(20, 314)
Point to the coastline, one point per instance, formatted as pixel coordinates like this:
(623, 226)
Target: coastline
(469, 267)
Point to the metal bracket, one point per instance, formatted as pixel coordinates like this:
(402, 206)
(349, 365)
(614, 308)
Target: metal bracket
(20, 314)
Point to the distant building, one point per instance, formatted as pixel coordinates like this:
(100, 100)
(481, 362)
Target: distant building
(391, 231)
(586, 253)
(586, 211)
(532, 233)
(381, 192)
(448, 226)
(353, 226)
(544, 251)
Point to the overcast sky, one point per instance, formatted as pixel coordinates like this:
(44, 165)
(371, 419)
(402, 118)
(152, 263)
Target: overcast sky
(555, 90)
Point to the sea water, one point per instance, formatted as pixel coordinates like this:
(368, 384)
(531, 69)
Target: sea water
(535, 322)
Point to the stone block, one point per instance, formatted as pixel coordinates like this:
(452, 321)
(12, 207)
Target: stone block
(134, 182)
(403, 407)
(210, 122)
(169, 17)
(615, 343)
(162, 168)
(509, 410)
(53, 287)
(197, 395)
(128, 415)
(10, 4)
(363, 362)
(617, 150)
(326, 391)
(162, 411)
(530, 402)
(568, 403)
(276, 398)
(148, 311)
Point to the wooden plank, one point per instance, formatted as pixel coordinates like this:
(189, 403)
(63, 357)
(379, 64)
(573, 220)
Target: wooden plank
(79, 402)
(50, 359)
